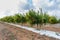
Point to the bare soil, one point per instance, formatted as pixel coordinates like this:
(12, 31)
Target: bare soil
(9, 32)
(50, 27)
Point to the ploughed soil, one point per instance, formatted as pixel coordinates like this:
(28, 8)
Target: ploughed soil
(9, 32)
(50, 27)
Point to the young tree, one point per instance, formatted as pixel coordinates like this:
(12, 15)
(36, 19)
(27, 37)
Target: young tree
(46, 18)
(30, 16)
(10, 19)
(23, 19)
(59, 21)
(34, 17)
(52, 20)
(17, 18)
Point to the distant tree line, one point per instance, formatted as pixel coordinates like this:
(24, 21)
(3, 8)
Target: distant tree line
(32, 17)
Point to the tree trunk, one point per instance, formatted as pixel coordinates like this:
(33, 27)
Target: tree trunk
(40, 26)
(37, 26)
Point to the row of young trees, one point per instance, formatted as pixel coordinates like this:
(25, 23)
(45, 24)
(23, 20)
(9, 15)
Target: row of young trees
(32, 18)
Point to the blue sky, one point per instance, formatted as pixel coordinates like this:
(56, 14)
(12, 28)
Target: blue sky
(10, 7)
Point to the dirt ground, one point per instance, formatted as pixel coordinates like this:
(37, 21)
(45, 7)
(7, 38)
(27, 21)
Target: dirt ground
(50, 27)
(9, 32)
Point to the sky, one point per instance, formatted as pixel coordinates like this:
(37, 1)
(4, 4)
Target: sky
(11, 7)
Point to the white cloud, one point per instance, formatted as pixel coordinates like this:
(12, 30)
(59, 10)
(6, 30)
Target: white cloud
(10, 7)
(59, 6)
(54, 13)
(5, 5)
(8, 4)
(22, 3)
(50, 3)
(58, 0)
(2, 14)
(42, 3)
